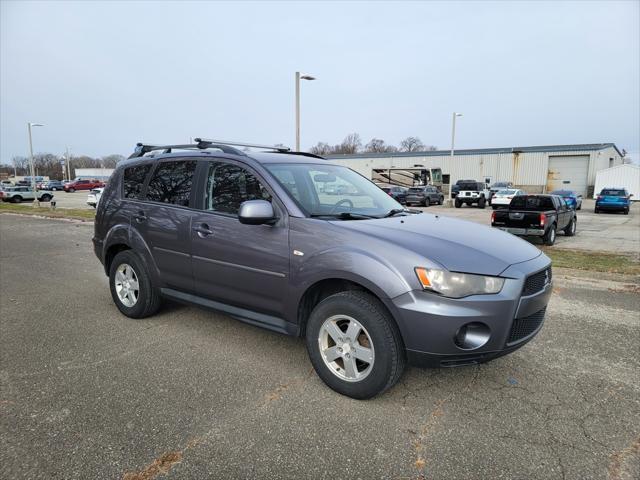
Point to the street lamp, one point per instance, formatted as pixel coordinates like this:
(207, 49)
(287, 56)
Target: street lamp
(299, 76)
(36, 203)
(453, 141)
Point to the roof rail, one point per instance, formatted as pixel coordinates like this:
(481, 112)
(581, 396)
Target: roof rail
(277, 148)
(142, 148)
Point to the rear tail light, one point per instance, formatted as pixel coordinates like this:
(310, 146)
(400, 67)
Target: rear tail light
(543, 219)
(493, 217)
(390, 194)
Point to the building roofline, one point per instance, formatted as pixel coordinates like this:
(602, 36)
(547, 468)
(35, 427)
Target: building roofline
(481, 151)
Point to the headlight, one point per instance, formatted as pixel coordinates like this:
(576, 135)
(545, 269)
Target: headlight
(457, 285)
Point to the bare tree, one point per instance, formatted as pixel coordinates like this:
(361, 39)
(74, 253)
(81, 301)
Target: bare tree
(110, 161)
(350, 145)
(377, 145)
(411, 144)
(321, 148)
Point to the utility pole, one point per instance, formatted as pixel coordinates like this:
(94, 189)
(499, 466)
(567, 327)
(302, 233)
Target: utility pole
(453, 141)
(36, 202)
(299, 77)
(68, 162)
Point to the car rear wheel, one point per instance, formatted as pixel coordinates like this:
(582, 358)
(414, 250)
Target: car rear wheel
(570, 230)
(595, 210)
(354, 345)
(17, 199)
(45, 198)
(458, 204)
(626, 211)
(482, 202)
(71, 190)
(131, 286)
(549, 238)
(426, 202)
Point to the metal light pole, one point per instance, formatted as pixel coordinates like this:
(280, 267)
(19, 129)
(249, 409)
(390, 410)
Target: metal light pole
(299, 77)
(453, 141)
(36, 203)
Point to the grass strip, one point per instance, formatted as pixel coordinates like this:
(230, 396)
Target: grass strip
(593, 261)
(29, 209)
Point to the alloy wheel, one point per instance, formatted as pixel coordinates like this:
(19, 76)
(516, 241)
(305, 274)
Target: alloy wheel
(346, 348)
(127, 285)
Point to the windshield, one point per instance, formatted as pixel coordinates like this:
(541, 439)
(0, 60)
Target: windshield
(613, 193)
(332, 190)
(562, 193)
(505, 192)
(500, 184)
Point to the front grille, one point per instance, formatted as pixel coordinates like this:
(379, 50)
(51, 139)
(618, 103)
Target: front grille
(523, 327)
(536, 282)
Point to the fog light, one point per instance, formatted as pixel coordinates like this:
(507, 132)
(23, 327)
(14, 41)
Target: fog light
(472, 335)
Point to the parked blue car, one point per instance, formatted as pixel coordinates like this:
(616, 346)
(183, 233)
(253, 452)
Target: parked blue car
(573, 199)
(614, 199)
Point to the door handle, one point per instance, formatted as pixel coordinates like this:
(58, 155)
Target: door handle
(140, 217)
(203, 230)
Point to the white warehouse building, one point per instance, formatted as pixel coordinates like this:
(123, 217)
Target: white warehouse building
(534, 169)
(622, 176)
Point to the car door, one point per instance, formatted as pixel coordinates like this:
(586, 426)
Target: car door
(163, 219)
(234, 263)
(563, 212)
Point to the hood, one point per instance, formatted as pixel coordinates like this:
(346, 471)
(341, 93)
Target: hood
(457, 245)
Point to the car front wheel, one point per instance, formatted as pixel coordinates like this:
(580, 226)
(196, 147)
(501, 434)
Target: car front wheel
(131, 286)
(354, 345)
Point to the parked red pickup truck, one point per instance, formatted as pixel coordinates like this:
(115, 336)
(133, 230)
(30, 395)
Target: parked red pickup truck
(83, 185)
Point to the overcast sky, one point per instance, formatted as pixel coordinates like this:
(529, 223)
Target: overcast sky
(105, 75)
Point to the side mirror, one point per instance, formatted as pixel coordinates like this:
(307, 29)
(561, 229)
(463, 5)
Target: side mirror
(256, 212)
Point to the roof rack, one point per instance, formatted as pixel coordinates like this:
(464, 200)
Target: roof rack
(201, 144)
(278, 148)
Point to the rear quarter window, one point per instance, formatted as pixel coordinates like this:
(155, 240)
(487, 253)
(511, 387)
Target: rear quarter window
(133, 180)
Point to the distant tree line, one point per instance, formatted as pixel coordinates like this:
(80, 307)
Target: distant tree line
(352, 143)
(48, 164)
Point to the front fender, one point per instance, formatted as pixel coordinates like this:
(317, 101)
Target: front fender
(355, 265)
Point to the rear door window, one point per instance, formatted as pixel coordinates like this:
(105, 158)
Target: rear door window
(133, 180)
(171, 183)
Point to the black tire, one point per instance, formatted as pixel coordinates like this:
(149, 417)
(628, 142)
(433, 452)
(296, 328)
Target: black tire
(482, 202)
(626, 211)
(549, 238)
(71, 190)
(458, 204)
(441, 200)
(389, 355)
(45, 198)
(579, 207)
(54, 189)
(595, 210)
(149, 300)
(16, 199)
(570, 230)
(427, 202)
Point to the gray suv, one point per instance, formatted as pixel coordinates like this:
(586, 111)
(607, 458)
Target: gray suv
(368, 284)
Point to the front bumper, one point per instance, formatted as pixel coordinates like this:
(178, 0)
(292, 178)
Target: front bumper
(527, 232)
(430, 323)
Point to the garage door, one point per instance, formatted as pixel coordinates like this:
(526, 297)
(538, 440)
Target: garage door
(568, 173)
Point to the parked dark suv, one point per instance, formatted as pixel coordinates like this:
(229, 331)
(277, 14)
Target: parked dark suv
(424, 195)
(368, 284)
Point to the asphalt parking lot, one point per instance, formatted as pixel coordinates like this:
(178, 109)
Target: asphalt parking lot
(608, 232)
(88, 393)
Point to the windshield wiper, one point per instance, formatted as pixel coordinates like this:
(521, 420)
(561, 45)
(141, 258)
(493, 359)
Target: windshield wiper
(345, 215)
(396, 211)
